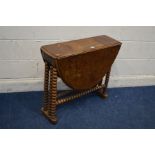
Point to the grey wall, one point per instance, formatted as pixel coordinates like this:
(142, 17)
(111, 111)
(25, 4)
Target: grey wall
(21, 65)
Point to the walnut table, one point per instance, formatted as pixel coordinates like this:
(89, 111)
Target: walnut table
(81, 64)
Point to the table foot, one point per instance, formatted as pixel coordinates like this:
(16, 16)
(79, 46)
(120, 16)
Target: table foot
(103, 95)
(52, 119)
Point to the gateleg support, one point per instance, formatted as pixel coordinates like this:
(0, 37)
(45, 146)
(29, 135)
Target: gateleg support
(103, 92)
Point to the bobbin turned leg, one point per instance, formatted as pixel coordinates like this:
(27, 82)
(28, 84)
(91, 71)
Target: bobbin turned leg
(103, 92)
(53, 95)
(46, 82)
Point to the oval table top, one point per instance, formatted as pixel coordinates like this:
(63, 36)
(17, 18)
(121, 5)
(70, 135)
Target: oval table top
(80, 46)
(82, 63)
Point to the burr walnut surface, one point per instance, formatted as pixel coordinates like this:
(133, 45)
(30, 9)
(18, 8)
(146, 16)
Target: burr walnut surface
(75, 47)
